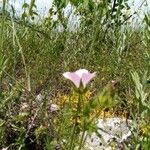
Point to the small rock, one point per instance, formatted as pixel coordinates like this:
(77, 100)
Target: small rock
(113, 131)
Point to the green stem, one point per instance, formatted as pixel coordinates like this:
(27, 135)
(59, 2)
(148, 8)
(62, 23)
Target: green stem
(82, 140)
(15, 38)
(83, 133)
(2, 26)
(73, 133)
(75, 125)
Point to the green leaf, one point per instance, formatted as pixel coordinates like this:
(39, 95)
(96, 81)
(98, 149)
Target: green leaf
(2, 122)
(24, 15)
(25, 5)
(21, 117)
(86, 110)
(146, 19)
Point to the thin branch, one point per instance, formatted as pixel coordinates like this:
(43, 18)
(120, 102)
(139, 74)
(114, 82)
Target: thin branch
(21, 23)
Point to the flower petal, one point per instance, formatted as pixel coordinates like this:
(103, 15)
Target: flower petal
(87, 77)
(72, 76)
(54, 108)
(80, 72)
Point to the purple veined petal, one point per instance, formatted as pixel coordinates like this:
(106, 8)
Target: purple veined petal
(72, 76)
(87, 77)
(80, 72)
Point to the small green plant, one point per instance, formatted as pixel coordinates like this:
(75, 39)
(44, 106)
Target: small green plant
(140, 129)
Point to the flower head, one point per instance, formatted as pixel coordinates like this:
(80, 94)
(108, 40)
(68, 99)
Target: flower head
(81, 76)
(54, 108)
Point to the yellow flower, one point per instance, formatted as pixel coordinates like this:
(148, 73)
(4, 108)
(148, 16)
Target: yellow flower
(146, 129)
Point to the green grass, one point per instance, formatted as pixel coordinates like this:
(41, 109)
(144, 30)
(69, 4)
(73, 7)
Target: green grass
(34, 56)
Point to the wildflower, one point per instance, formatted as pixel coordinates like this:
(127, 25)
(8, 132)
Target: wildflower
(54, 108)
(39, 97)
(80, 77)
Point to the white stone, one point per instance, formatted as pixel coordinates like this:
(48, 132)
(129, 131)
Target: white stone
(110, 129)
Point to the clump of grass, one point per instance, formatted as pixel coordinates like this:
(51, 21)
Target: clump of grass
(34, 55)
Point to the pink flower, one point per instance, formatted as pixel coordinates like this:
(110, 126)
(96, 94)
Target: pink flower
(4, 148)
(81, 76)
(54, 108)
